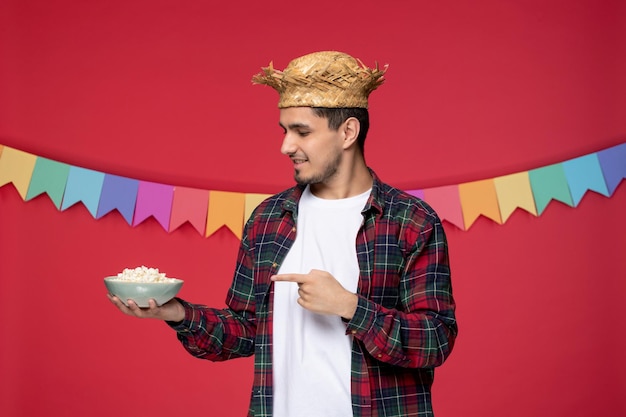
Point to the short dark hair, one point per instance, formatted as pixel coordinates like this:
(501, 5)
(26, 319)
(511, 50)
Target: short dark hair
(336, 116)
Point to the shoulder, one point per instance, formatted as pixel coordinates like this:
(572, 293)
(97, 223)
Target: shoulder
(414, 222)
(276, 203)
(405, 207)
(273, 208)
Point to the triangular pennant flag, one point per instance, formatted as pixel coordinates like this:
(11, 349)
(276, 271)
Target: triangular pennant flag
(16, 167)
(189, 204)
(225, 209)
(613, 163)
(549, 183)
(251, 202)
(83, 185)
(447, 203)
(49, 177)
(514, 191)
(416, 193)
(154, 200)
(118, 193)
(479, 197)
(584, 174)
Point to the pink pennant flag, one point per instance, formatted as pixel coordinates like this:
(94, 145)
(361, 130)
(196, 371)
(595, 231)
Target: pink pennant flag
(479, 198)
(154, 200)
(189, 205)
(446, 202)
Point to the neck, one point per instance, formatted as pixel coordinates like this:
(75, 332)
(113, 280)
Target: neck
(352, 178)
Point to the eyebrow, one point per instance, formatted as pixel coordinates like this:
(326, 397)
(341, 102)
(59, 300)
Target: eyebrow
(295, 125)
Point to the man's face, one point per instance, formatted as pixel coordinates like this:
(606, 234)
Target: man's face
(315, 150)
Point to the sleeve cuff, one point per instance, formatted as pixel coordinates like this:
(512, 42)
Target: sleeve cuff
(191, 321)
(363, 318)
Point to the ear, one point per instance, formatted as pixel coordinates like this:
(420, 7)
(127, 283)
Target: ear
(351, 128)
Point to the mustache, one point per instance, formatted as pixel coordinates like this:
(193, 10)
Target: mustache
(299, 157)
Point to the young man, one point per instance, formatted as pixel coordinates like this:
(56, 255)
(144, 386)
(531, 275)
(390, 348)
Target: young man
(342, 287)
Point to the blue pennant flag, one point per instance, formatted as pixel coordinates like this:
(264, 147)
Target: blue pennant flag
(118, 193)
(83, 185)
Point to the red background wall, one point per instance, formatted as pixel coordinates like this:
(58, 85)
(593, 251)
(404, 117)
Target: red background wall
(160, 91)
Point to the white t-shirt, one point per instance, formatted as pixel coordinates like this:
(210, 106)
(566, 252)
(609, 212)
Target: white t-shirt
(311, 363)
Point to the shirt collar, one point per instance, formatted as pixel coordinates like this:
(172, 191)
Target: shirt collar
(374, 202)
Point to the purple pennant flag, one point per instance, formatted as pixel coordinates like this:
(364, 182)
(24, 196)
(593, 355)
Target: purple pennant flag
(613, 163)
(416, 193)
(154, 200)
(118, 193)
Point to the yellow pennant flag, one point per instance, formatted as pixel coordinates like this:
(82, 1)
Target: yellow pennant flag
(479, 197)
(514, 191)
(17, 167)
(225, 209)
(252, 201)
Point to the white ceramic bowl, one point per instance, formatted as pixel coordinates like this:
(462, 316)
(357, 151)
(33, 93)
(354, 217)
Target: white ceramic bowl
(142, 292)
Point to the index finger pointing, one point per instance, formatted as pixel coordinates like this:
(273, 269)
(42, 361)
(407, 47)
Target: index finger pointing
(299, 278)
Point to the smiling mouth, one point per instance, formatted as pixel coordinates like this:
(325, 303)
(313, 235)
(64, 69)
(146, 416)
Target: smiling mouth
(298, 161)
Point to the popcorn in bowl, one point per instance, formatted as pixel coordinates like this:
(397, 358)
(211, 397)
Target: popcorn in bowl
(142, 284)
(143, 274)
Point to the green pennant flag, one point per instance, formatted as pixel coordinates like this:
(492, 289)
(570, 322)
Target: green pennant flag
(549, 183)
(48, 177)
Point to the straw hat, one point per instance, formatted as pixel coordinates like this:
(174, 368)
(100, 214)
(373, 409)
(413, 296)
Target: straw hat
(322, 79)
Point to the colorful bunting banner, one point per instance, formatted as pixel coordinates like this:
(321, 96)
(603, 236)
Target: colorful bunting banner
(209, 210)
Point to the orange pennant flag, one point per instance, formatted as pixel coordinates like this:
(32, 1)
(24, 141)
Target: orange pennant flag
(514, 191)
(252, 201)
(479, 197)
(225, 209)
(17, 167)
(189, 205)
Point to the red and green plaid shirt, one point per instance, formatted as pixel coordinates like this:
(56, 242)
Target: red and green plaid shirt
(404, 324)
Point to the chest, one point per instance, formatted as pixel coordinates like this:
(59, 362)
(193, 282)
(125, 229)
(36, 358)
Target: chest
(380, 251)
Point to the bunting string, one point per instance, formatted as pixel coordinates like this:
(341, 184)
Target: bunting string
(209, 210)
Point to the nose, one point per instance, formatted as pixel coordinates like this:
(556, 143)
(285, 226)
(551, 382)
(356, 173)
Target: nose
(289, 146)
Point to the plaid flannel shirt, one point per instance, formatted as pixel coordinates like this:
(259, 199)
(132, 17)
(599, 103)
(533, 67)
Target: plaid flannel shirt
(404, 324)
